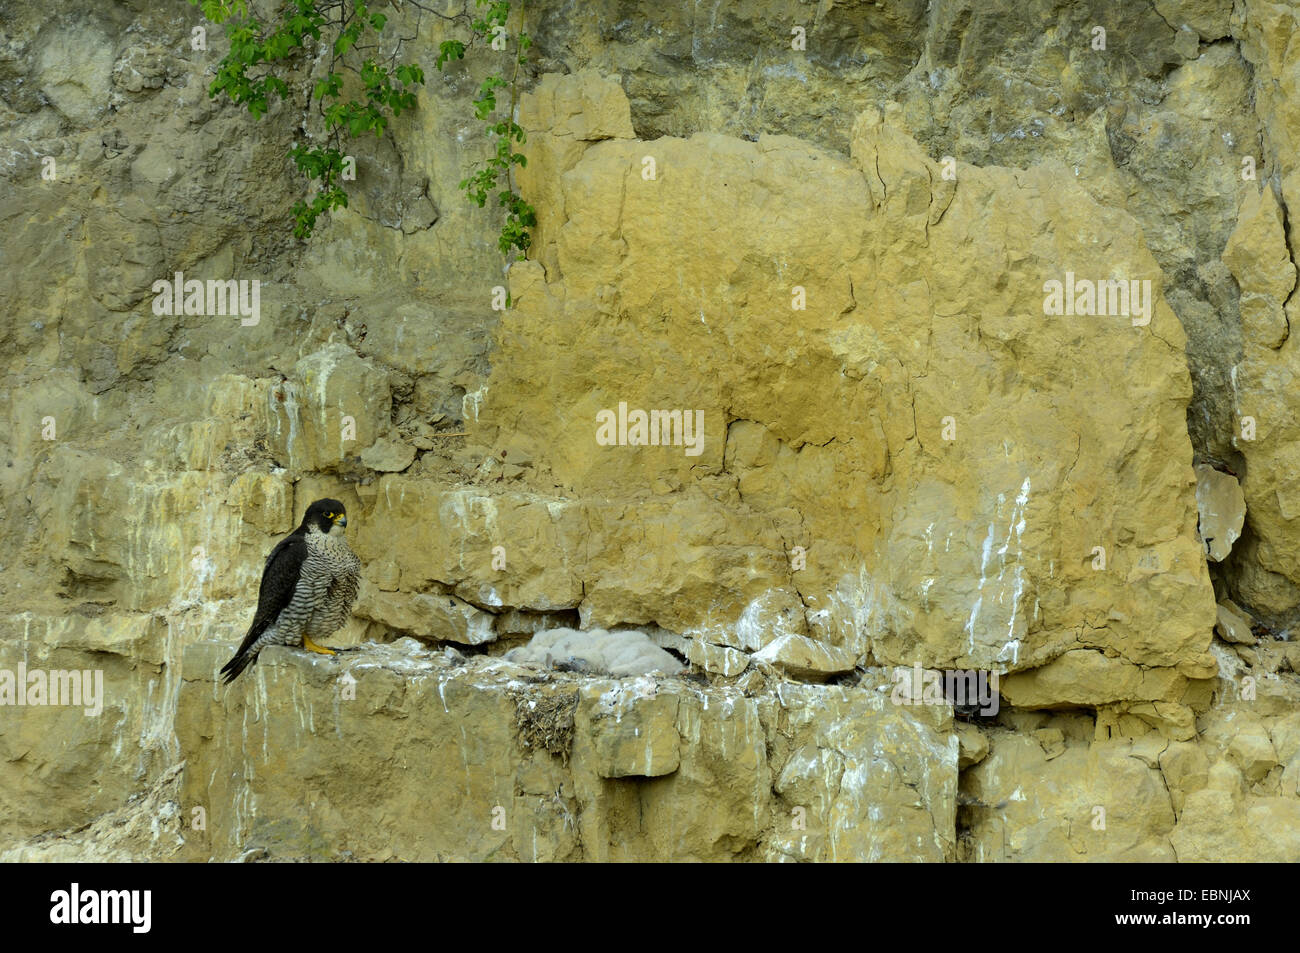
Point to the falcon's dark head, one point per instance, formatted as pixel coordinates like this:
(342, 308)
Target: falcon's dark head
(325, 515)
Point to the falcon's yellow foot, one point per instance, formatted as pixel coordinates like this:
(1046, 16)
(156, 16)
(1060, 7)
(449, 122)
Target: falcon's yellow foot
(311, 646)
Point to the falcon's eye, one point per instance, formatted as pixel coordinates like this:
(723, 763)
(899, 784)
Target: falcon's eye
(329, 516)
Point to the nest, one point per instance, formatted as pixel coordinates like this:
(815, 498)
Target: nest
(545, 721)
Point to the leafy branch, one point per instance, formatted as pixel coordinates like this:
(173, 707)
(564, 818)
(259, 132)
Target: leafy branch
(494, 174)
(247, 76)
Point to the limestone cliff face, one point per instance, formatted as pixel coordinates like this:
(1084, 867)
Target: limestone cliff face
(878, 442)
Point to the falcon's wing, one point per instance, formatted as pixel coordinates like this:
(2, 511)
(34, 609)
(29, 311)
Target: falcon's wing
(279, 580)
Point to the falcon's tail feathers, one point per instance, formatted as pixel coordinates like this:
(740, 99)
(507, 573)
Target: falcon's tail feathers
(237, 664)
(246, 654)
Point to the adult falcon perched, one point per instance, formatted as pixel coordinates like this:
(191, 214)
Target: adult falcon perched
(309, 584)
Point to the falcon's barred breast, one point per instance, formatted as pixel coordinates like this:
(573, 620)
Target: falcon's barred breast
(309, 585)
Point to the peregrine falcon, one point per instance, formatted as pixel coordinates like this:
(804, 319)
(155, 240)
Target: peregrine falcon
(309, 584)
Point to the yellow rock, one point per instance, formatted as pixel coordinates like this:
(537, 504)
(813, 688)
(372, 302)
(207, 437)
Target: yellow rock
(633, 729)
(975, 551)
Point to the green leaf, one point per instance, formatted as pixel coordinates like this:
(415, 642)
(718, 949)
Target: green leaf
(329, 86)
(449, 49)
(410, 74)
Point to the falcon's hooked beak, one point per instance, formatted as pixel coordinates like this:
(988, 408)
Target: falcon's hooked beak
(340, 520)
